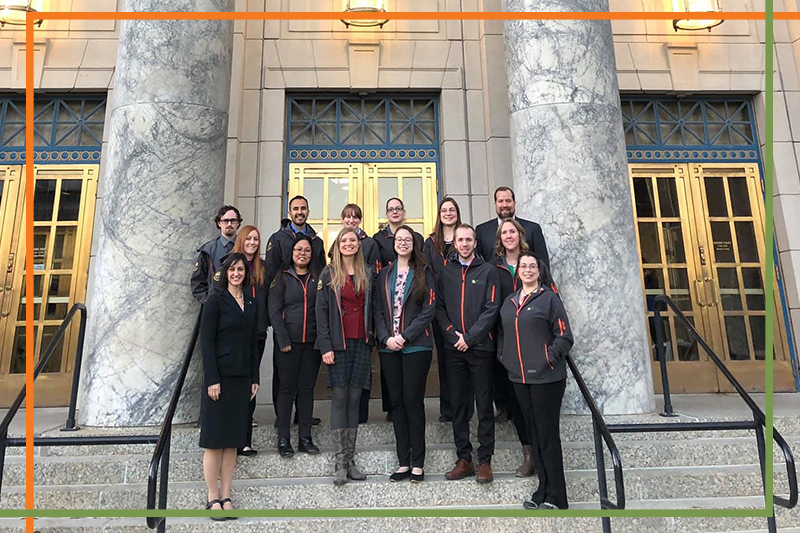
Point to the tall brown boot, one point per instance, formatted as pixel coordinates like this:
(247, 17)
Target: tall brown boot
(339, 437)
(352, 471)
(526, 469)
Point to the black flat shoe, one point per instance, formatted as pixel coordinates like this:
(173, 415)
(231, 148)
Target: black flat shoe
(306, 445)
(285, 448)
(211, 504)
(445, 418)
(222, 504)
(249, 452)
(315, 421)
(400, 476)
(417, 478)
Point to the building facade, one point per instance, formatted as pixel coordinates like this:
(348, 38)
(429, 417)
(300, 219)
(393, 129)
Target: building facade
(417, 109)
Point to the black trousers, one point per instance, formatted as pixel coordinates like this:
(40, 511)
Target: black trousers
(298, 370)
(465, 369)
(408, 374)
(506, 398)
(445, 405)
(541, 405)
(276, 376)
(262, 343)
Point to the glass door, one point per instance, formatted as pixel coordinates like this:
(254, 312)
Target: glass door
(63, 214)
(729, 204)
(700, 230)
(12, 183)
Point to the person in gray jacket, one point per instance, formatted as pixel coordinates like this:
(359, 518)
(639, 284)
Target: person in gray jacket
(536, 338)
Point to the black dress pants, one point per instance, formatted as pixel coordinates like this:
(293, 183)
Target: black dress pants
(298, 369)
(541, 405)
(407, 374)
(465, 369)
(445, 405)
(262, 343)
(276, 376)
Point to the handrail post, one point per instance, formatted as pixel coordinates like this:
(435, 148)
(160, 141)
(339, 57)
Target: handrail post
(162, 491)
(762, 458)
(3, 439)
(76, 374)
(661, 353)
(601, 472)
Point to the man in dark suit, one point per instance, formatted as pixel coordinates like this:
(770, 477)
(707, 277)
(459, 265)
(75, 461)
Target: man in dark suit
(505, 204)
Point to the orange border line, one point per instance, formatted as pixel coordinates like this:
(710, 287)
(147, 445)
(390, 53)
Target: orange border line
(786, 15)
(267, 15)
(403, 15)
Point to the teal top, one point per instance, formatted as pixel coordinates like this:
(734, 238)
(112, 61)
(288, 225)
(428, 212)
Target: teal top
(392, 282)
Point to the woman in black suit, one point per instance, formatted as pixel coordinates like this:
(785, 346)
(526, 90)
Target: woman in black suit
(229, 341)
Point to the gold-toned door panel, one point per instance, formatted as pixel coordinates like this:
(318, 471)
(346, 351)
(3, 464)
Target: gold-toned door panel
(719, 209)
(64, 200)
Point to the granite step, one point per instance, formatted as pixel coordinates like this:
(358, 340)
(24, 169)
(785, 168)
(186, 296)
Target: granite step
(377, 491)
(788, 521)
(376, 460)
(379, 433)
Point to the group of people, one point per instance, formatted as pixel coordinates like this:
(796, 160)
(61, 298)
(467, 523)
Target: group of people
(483, 297)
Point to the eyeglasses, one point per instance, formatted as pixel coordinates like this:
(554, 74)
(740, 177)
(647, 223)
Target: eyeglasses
(395, 209)
(528, 267)
(302, 251)
(405, 241)
(226, 221)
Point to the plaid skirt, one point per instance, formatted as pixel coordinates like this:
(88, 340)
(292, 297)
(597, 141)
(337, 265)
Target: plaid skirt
(351, 367)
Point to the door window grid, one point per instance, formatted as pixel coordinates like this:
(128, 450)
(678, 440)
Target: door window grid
(734, 296)
(657, 212)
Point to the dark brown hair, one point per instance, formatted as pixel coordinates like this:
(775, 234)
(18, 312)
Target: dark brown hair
(419, 289)
(438, 229)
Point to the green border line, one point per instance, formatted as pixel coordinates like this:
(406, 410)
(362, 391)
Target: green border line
(769, 268)
(500, 513)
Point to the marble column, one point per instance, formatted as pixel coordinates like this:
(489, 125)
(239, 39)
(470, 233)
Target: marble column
(570, 176)
(162, 183)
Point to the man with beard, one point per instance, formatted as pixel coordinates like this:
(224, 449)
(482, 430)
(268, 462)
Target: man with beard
(279, 254)
(209, 261)
(505, 204)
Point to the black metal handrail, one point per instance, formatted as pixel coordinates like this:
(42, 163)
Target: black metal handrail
(161, 452)
(602, 433)
(6, 442)
(663, 302)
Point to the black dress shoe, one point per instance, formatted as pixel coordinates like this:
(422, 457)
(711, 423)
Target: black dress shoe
(247, 453)
(445, 418)
(417, 478)
(400, 476)
(285, 448)
(315, 421)
(306, 445)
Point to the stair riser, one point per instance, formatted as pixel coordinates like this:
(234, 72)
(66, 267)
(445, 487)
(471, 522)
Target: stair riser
(268, 465)
(382, 434)
(432, 493)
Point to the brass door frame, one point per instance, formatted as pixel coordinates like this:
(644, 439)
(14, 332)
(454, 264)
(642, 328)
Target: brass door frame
(685, 376)
(52, 389)
(12, 203)
(751, 373)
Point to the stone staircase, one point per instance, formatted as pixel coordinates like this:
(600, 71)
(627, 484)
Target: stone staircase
(662, 471)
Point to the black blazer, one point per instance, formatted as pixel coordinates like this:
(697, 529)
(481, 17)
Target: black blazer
(533, 235)
(229, 338)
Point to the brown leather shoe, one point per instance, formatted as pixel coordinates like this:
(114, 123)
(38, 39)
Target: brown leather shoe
(485, 473)
(461, 470)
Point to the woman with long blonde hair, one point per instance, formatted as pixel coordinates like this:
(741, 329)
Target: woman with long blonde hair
(344, 337)
(248, 243)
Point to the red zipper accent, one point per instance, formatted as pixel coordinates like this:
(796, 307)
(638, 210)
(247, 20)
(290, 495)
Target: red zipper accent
(426, 333)
(493, 289)
(562, 326)
(547, 356)
(516, 327)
